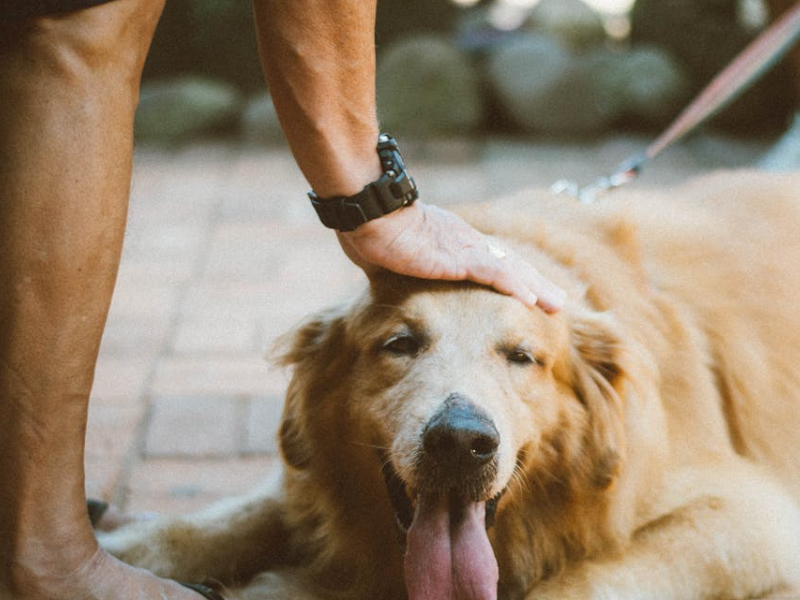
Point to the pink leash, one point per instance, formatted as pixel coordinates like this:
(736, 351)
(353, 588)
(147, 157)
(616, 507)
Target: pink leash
(755, 60)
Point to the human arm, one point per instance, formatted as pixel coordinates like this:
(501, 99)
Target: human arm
(319, 62)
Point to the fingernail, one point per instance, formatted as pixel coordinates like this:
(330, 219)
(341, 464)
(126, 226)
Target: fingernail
(530, 300)
(554, 300)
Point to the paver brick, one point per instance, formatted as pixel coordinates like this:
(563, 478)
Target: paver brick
(262, 425)
(179, 485)
(195, 426)
(111, 435)
(215, 335)
(217, 376)
(122, 379)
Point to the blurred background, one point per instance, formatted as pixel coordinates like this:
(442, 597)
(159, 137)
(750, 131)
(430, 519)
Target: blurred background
(544, 68)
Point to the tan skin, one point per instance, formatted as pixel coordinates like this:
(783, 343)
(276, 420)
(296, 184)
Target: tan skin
(68, 91)
(333, 138)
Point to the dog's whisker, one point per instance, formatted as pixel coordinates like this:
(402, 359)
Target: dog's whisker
(391, 306)
(522, 481)
(369, 445)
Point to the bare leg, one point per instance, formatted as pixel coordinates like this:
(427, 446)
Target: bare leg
(68, 91)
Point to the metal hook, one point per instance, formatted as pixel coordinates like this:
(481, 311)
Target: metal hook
(626, 171)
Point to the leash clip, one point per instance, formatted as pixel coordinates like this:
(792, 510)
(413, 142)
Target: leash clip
(748, 66)
(626, 171)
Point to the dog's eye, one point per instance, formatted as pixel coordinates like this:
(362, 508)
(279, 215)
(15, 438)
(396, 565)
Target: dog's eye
(401, 345)
(520, 356)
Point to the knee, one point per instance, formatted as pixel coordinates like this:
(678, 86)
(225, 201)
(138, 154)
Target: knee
(106, 43)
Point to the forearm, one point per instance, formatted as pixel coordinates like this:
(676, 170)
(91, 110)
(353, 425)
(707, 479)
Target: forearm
(319, 62)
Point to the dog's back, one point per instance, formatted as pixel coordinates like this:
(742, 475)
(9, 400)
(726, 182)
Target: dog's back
(729, 247)
(725, 250)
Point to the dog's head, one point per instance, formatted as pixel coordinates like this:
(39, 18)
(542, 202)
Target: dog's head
(453, 397)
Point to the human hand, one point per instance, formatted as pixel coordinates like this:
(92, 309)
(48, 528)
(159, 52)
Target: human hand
(425, 241)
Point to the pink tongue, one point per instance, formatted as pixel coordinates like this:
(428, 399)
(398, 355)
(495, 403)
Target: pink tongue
(448, 557)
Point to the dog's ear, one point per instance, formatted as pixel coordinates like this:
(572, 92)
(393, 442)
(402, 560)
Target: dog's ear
(316, 351)
(310, 339)
(598, 375)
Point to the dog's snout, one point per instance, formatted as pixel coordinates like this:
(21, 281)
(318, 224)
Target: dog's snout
(461, 436)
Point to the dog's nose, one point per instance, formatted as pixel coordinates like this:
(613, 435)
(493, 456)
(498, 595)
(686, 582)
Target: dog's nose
(460, 435)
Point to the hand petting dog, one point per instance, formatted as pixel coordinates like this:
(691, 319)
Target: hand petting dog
(428, 242)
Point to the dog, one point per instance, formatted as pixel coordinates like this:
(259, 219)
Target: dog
(443, 442)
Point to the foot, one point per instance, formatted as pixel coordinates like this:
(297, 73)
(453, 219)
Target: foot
(103, 577)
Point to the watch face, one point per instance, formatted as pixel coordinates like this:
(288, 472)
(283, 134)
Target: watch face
(391, 160)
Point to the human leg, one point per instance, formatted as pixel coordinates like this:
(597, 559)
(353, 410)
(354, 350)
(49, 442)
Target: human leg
(68, 91)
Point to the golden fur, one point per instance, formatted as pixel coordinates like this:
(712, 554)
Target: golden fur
(650, 451)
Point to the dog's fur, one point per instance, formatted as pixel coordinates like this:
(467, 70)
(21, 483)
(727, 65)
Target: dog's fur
(648, 447)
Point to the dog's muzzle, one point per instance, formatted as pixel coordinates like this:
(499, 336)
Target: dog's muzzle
(459, 450)
(458, 459)
(404, 507)
(446, 546)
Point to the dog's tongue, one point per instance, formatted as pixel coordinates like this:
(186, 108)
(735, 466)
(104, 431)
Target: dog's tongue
(448, 555)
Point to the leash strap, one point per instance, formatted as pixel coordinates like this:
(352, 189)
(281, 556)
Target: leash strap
(755, 60)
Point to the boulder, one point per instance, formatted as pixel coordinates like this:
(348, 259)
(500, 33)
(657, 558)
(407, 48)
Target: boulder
(427, 86)
(704, 36)
(652, 85)
(572, 21)
(175, 111)
(542, 87)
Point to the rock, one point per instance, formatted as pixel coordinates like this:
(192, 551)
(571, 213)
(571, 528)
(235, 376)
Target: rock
(653, 86)
(259, 123)
(427, 86)
(175, 111)
(704, 36)
(543, 88)
(571, 21)
(476, 31)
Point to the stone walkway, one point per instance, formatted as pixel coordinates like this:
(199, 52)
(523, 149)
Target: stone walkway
(223, 255)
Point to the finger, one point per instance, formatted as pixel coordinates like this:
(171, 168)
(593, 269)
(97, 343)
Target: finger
(507, 273)
(526, 284)
(551, 298)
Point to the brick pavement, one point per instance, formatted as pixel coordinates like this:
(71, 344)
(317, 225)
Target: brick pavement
(222, 255)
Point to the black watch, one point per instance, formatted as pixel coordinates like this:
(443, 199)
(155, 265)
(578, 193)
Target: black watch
(393, 190)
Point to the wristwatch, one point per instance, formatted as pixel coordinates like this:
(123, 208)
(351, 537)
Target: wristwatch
(393, 190)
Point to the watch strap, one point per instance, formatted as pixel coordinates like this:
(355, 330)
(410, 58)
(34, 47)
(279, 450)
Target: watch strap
(393, 190)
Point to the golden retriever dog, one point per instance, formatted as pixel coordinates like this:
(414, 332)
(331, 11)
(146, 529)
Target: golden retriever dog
(442, 442)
